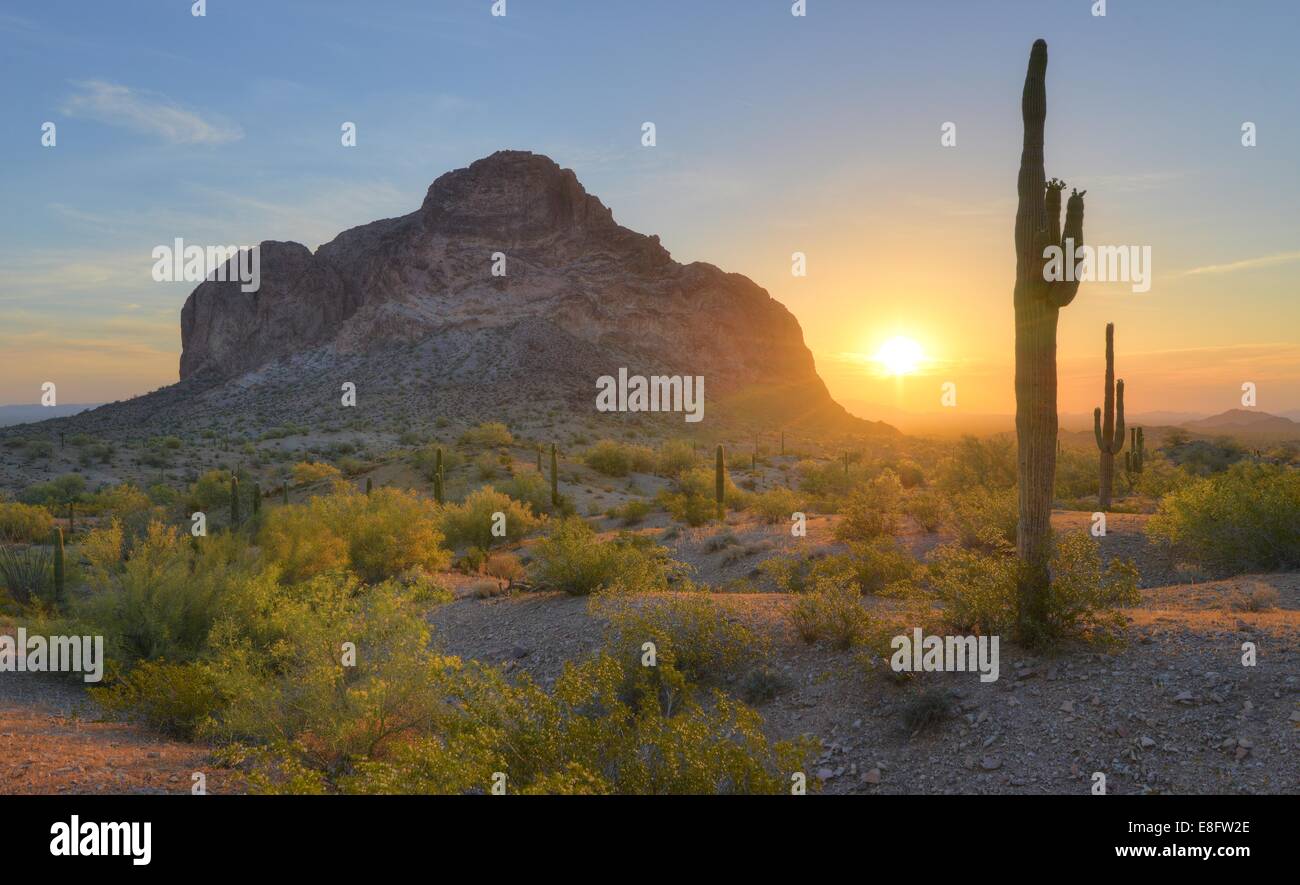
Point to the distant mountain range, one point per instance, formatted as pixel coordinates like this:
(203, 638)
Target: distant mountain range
(25, 413)
(1234, 422)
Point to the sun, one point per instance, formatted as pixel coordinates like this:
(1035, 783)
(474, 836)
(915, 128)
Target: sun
(899, 356)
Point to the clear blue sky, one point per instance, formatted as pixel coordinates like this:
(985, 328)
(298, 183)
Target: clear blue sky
(775, 134)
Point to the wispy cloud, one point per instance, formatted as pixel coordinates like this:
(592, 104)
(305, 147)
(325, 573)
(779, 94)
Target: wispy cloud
(1247, 263)
(147, 113)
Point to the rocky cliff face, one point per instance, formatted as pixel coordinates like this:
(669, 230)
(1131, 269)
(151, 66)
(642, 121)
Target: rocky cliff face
(576, 282)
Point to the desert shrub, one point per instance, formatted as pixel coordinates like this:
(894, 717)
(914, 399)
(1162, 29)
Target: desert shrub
(985, 519)
(161, 601)
(39, 449)
(57, 492)
(531, 488)
(127, 501)
(1077, 474)
(571, 559)
(824, 478)
(103, 547)
(488, 435)
(693, 499)
(586, 737)
(926, 709)
(872, 509)
(909, 473)
(763, 684)
(1160, 477)
(25, 522)
(176, 699)
(833, 611)
(276, 654)
(979, 590)
(376, 536)
(505, 566)
(882, 566)
(675, 458)
(690, 631)
(308, 472)
(1244, 519)
(632, 512)
(927, 508)
(618, 459)
(470, 522)
(1258, 598)
(980, 463)
(486, 465)
(776, 505)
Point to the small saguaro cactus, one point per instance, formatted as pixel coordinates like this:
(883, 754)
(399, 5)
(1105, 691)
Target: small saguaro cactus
(539, 459)
(782, 443)
(370, 485)
(720, 482)
(284, 490)
(72, 518)
(234, 501)
(1109, 427)
(58, 565)
(257, 498)
(438, 488)
(555, 477)
(1135, 458)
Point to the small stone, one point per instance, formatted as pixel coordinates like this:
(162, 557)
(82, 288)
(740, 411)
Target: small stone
(990, 763)
(1183, 697)
(1146, 742)
(1242, 753)
(1067, 706)
(872, 776)
(825, 774)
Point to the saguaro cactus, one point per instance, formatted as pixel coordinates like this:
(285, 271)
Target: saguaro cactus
(58, 565)
(234, 501)
(438, 490)
(555, 477)
(370, 486)
(1038, 302)
(1135, 458)
(720, 483)
(1109, 429)
(257, 498)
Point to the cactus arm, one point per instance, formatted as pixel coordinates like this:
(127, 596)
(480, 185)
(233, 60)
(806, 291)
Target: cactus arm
(1117, 441)
(1096, 427)
(1062, 292)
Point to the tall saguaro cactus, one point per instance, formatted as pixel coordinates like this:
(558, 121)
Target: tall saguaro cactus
(234, 502)
(1109, 428)
(720, 483)
(1038, 302)
(555, 478)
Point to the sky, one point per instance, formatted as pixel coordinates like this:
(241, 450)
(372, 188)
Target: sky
(776, 134)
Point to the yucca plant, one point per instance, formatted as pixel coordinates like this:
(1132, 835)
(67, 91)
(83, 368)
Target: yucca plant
(25, 571)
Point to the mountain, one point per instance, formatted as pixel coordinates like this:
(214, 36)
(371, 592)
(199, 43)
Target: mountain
(1247, 421)
(410, 311)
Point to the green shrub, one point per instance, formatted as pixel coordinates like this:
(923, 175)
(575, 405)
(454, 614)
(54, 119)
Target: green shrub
(831, 610)
(675, 458)
(470, 522)
(1245, 519)
(25, 523)
(927, 508)
(376, 536)
(776, 505)
(985, 519)
(488, 435)
(618, 459)
(979, 590)
(176, 699)
(571, 559)
(872, 509)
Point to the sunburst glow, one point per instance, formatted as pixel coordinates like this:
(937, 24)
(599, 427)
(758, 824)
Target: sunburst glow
(899, 356)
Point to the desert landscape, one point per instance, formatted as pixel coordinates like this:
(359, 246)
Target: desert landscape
(496, 496)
